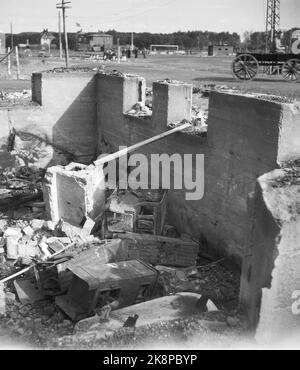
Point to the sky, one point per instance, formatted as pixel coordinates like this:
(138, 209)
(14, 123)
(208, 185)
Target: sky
(146, 15)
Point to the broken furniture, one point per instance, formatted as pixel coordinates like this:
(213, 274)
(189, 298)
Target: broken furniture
(93, 284)
(139, 212)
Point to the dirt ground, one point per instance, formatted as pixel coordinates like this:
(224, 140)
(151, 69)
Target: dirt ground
(197, 70)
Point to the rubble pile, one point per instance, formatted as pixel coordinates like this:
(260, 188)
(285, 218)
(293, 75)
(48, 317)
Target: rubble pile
(49, 268)
(8, 98)
(21, 186)
(291, 176)
(140, 110)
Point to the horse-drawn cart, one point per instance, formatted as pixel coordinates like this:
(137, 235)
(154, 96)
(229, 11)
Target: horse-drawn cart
(246, 66)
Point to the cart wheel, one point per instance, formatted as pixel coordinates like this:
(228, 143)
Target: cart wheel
(291, 70)
(245, 67)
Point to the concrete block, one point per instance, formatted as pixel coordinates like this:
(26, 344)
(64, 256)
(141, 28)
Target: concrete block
(37, 224)
(28, 231)
(172, 102)
(12, 236)
(74, 192)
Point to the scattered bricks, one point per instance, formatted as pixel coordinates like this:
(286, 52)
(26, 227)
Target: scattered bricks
(12, 248)
(12, 237)
(49, 225)
(28, 231)
(12, 232)
(74, 192)
(37, 224)
(172, 102)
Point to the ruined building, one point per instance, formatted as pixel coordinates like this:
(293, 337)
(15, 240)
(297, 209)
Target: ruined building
(74, 117)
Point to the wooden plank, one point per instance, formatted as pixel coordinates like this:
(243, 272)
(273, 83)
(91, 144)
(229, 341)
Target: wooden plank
(130, 149)
(155, 239)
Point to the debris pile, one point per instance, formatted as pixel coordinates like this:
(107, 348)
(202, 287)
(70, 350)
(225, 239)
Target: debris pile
(140, 110)
(91, 263)
(21, 186)
(8, 98)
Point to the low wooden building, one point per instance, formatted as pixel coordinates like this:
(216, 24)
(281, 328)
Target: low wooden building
(219, 50)
(94, 42)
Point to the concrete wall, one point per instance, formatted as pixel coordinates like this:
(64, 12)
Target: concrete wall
(247, 137)
(82, 113)
(58, 127)
(271, 274)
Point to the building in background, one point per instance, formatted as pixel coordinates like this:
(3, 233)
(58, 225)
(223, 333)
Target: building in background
(93, 42)
(2, 43)
(46, 40)
(220, 50)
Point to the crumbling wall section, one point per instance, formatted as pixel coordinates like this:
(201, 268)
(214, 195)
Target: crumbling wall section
(271, 277)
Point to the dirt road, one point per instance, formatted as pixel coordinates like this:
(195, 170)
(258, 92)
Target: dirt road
(193, 69)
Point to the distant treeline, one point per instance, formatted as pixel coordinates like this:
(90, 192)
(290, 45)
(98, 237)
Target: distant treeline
(186, 40)
(252, 41)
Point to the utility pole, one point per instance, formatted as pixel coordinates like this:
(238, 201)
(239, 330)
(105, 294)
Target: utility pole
(119, 51)
(63, 6)
(11, 37)
(59, 33)
(272, 24)
(132, 42)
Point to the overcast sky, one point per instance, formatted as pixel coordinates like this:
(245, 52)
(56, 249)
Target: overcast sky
(146, 15)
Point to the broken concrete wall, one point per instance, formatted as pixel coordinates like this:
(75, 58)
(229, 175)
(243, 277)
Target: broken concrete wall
(247, 136)
(53, 132)
(271, 277)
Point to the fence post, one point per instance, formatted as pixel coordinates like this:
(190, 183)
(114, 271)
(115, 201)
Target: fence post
(18, 63)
